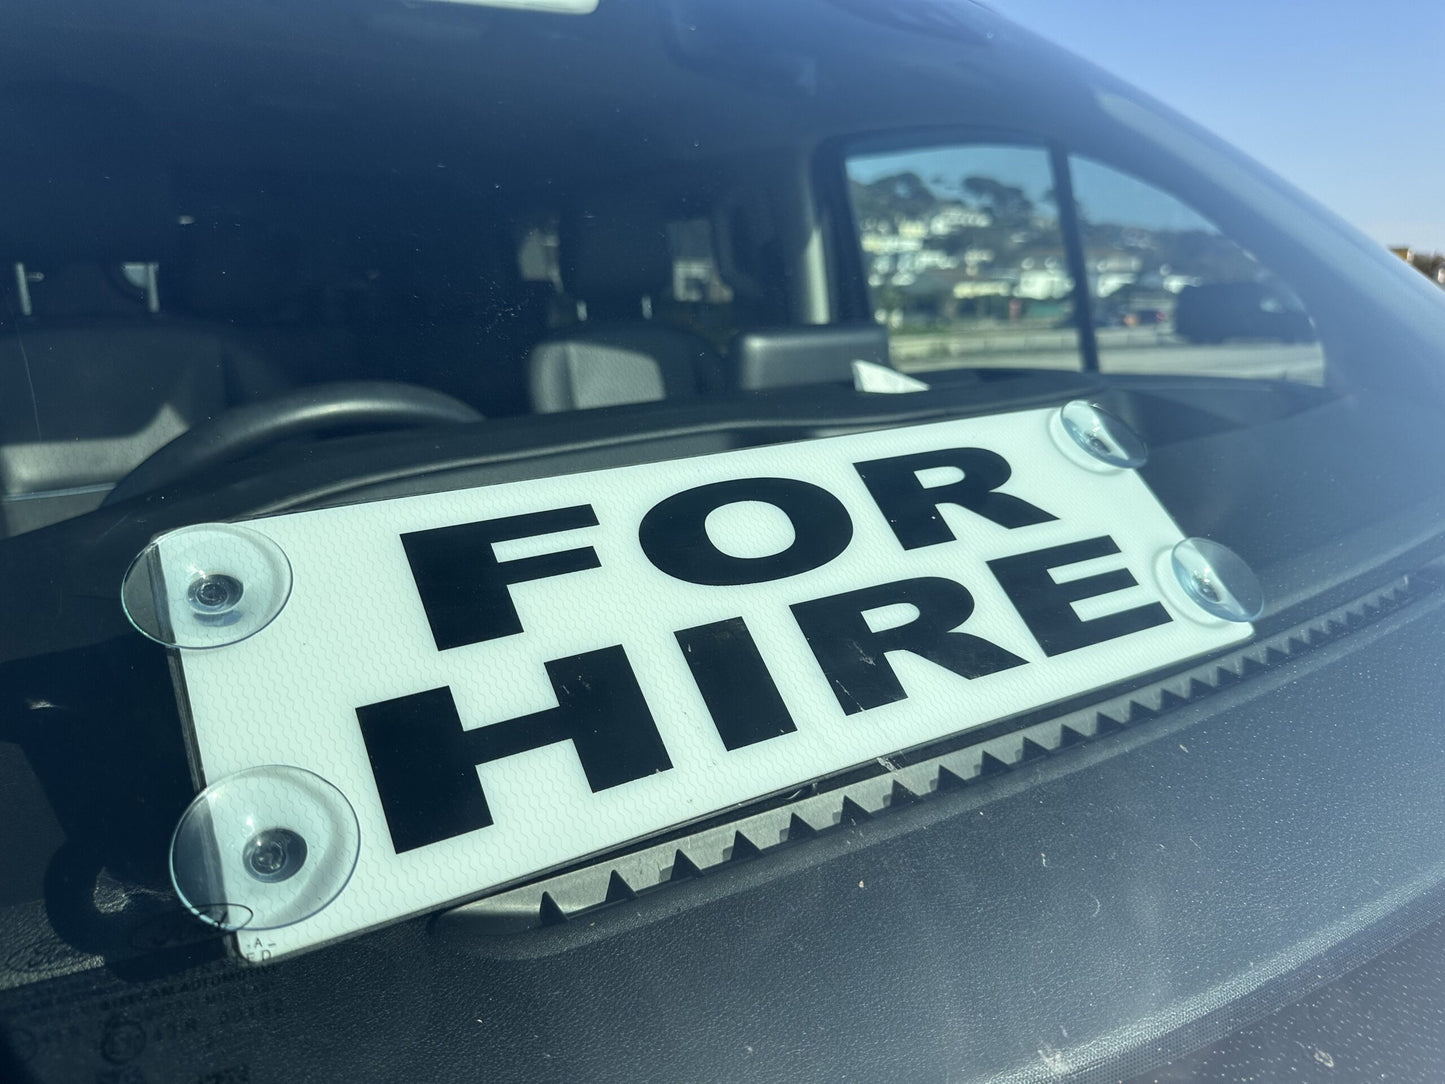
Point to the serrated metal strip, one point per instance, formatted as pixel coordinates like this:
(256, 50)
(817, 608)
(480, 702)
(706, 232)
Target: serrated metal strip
(565, 896)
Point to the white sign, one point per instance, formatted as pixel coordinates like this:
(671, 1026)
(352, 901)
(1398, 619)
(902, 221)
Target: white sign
(507, 679)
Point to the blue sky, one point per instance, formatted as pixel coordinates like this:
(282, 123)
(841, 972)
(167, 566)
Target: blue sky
(1345, 100)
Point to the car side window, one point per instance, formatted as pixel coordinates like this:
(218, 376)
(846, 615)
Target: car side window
(1172, 294)
(964, 255)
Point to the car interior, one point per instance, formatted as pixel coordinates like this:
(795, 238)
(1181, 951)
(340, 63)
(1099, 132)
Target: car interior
(167, 302)
(260, 257)
(173, 252)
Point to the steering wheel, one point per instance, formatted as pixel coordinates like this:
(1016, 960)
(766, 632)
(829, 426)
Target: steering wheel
(311, 411)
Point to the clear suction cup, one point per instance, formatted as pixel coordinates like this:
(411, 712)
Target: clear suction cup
(264, 848)
(1217, 580)
(1104, 440)
(206, 586)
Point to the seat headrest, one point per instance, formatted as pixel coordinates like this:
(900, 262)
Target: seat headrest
(234, 267)
(611, 253)
(609, 366)
(84, 290)
(818, 354)
(464, 277)
(82, 178)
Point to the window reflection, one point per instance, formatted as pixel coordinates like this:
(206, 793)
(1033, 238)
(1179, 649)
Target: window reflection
(965, 257)
(1172, 294)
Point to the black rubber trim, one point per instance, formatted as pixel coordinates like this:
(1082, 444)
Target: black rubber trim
(901, 781)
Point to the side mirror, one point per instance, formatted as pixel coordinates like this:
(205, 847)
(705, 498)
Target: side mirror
(1216, 311)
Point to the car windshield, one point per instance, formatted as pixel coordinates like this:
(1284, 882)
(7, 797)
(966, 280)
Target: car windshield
(393, 303)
